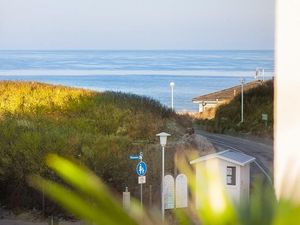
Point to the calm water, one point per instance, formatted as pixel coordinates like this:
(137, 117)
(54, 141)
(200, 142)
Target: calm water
(141, 72)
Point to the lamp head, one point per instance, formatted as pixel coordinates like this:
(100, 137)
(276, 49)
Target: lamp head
(163, 138)
(172, 84)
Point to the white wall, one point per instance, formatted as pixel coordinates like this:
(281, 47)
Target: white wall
(215, 165)
(212, 167)
(287, 107)
(209, 104)
(232, 190)
(201, 108)
(245, 183)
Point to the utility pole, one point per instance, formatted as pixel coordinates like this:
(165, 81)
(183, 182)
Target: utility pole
(162, 184)
(163, 141)
(260, 72)
(141, 160)
(172, 85)
(242, 100)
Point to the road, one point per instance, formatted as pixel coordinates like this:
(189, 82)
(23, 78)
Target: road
(260, 149)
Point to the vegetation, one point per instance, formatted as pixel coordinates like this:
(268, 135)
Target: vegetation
(87, 197)
(257, 101)
(97, 129)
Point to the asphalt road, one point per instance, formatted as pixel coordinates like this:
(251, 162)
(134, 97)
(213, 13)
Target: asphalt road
(261, 149)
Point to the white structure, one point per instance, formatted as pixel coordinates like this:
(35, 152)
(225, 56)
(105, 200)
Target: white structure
(169, 189)
(163, 141)
(181, 191)
(215, 99)
(172, 85)
(259, 72)
(234, 169)
(287, 129)
(126, 199)
(175, 192)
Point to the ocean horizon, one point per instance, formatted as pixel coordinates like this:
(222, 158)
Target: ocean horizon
(142, 72)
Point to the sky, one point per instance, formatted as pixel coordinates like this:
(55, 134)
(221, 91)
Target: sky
(137, 24)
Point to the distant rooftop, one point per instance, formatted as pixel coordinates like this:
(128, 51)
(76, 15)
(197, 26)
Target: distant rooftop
(227, 155)
(227, 94)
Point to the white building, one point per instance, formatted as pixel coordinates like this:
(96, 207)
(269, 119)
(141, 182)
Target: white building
(233, 168)
(215, 99)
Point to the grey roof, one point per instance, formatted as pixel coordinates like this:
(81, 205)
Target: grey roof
(237, 157)
(227, 94)
(228, 155)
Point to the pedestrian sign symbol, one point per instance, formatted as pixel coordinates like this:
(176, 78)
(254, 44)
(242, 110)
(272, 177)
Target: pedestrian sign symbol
(141, 169)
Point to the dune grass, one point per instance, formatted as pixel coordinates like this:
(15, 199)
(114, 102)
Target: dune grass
(97, 129)
(257, 101)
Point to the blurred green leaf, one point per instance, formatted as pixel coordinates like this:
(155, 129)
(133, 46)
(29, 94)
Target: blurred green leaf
(93, 202)
(72, 202)
(89, 199)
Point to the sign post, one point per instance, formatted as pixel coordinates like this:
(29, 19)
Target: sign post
(264, 117)
(141, 170)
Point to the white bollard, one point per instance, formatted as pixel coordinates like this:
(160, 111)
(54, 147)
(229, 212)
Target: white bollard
(126, 199)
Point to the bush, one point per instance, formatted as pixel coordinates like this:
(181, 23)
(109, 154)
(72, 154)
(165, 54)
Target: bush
(257, 101)
(95, 128)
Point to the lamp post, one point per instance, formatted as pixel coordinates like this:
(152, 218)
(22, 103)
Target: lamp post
(242, 100)
(172, 85)
(258, 72)
(163, 141)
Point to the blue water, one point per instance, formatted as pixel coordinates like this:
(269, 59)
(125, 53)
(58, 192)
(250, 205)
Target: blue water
(141, 72)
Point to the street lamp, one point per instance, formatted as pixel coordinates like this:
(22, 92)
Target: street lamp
(172, 85)
(242, 100)
(163, 141)
(258, 72)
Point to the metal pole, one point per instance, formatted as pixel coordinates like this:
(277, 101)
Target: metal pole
(150, 196)
(242, 102)
(162, 184)
(142, 195)
(172, 97)
(43, 200)
(141, 159)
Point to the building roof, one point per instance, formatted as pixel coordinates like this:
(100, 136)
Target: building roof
(235, 157)
(227, 94)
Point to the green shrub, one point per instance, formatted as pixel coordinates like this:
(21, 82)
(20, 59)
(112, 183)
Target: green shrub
(257, 101)
(98, 129)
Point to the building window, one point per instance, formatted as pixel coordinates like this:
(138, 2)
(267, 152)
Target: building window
(231, 175)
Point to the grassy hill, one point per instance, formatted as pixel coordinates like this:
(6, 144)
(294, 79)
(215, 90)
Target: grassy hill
(257, 101)
(98, 129)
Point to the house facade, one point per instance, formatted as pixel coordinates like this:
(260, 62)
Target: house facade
(233, 168)
(210, 102)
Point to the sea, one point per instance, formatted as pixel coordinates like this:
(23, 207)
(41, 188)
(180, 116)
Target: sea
(147, 73)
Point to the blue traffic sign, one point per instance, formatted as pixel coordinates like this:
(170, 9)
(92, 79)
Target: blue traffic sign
(134, 157)
(141, 169)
